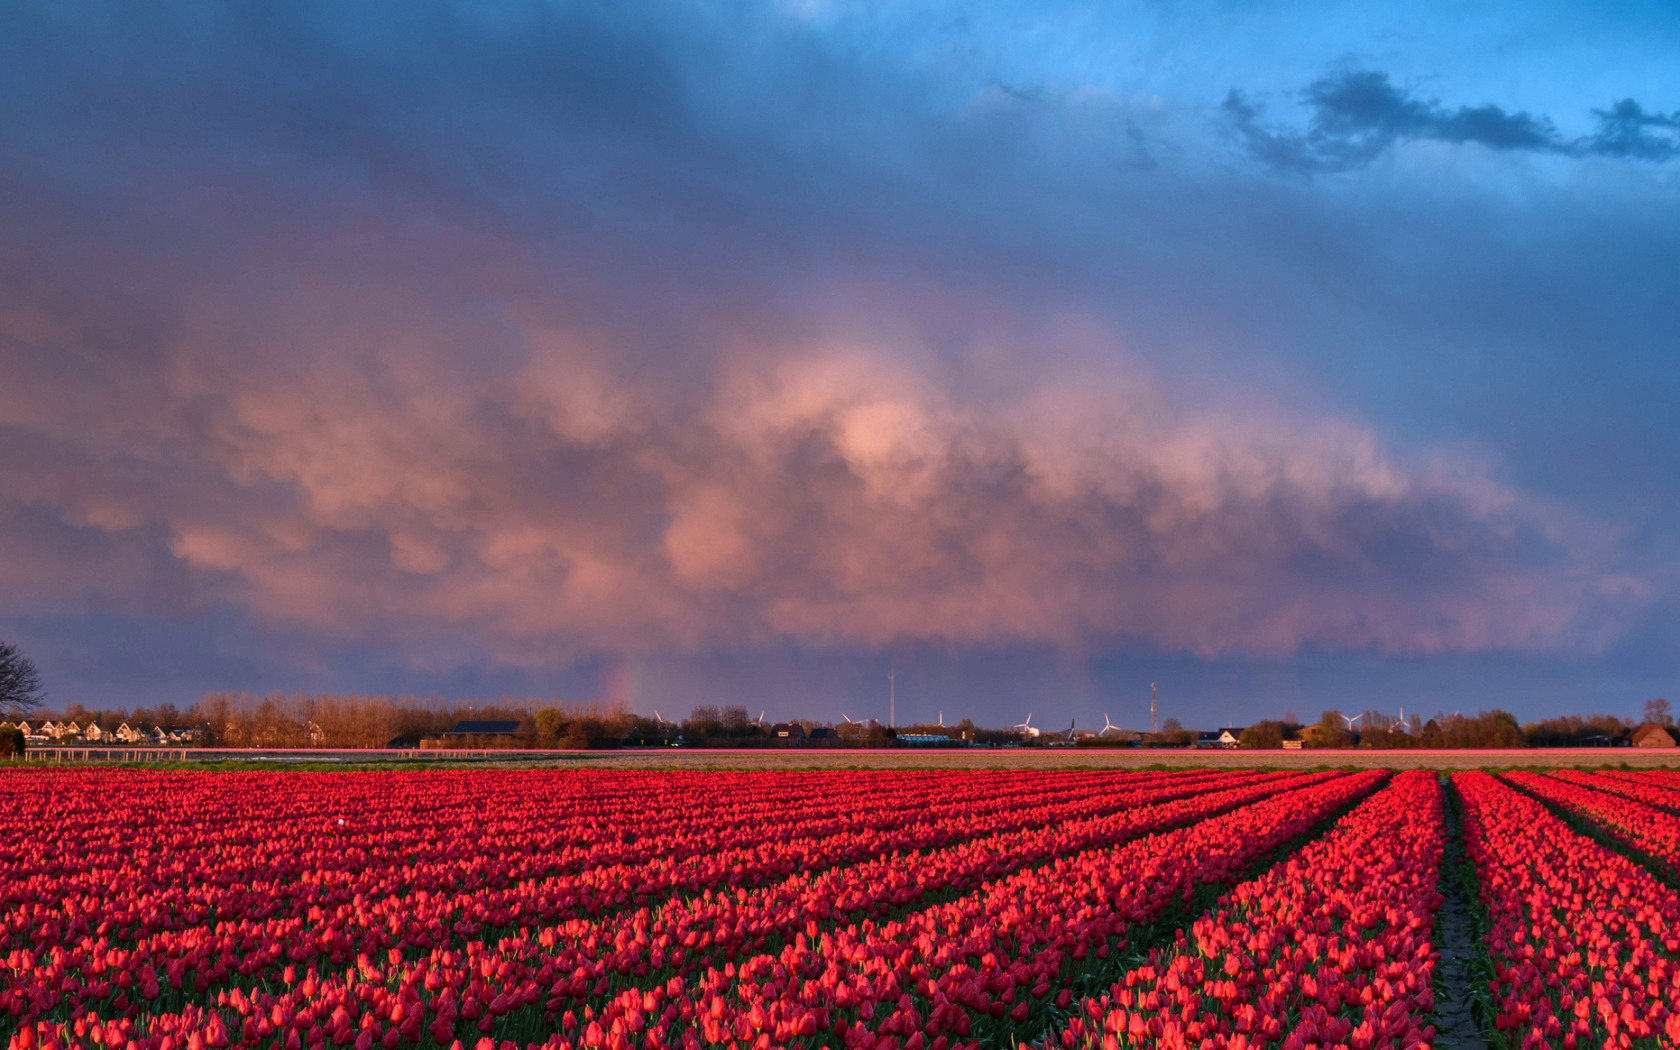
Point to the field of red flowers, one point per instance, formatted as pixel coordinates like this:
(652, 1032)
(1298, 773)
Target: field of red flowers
(879, 910)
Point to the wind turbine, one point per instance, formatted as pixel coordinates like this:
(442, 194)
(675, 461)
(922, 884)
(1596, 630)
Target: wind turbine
(848, 718)
(759, 721)
(1154, 724)
(1351, 722)
(1107, 725)
(1026, 728)
(942, 718)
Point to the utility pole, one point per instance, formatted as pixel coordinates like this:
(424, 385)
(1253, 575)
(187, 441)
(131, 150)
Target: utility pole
(892, 701)
(1154, 726)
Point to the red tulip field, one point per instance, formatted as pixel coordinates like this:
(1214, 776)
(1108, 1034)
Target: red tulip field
(865, 910)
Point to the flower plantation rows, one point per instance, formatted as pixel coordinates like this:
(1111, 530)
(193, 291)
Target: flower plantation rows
(1584, 941)
(920, 910)
(1332, 946)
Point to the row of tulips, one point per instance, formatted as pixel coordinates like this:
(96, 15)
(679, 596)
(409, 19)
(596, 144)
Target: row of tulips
(690, 935)
(196, 960)
(860, 985)
(123, 895)
(625, 947)
(1585, 943)
(1331, 946)
(259, 846)
(1666, 778)
(1641, 787)
(982, 968)
(250, 844)
(1647, 829)
(893, 912)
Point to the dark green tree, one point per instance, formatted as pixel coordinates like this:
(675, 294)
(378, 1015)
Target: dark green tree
(20, 682)
(1263, 734)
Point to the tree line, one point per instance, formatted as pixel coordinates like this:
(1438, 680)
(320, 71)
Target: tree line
(1485, 729)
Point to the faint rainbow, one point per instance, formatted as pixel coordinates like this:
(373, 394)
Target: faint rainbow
(621, 680)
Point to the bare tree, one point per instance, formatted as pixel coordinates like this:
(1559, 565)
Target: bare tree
(20, 681)
(1657, 712)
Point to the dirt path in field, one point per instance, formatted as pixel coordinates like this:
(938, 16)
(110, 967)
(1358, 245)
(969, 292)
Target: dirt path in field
(1455, 1024)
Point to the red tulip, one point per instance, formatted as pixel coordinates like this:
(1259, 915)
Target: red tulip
(910, 911)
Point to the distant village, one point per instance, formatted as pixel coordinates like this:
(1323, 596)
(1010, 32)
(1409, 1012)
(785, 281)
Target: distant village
(68, 731)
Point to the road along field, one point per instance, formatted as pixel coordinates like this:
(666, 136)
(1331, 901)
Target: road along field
(674, 759)
(870, 910)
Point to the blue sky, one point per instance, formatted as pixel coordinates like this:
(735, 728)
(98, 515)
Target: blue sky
(1292, 355)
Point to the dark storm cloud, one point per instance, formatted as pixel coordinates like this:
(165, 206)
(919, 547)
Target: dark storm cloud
(1626, 130)
(1358, 116)
(503, 337)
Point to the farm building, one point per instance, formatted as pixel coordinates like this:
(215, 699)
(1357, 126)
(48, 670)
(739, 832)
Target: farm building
(1652, 736)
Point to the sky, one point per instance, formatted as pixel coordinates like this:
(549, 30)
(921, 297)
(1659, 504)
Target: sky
(1291, 356)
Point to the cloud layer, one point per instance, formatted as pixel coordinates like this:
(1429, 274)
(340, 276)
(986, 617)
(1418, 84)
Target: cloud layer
(531, 335)
(396, 481)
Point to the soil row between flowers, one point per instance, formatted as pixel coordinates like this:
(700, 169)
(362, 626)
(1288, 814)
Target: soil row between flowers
(1463, 1002)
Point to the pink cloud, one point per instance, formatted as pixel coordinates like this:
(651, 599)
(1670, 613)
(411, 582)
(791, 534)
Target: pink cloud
(434, 446)
(365, 481)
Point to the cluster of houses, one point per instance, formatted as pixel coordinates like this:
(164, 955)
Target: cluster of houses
(70, 734)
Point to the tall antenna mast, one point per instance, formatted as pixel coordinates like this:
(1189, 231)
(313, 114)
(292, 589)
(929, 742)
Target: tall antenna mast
(1154, 726)
(892, 700)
